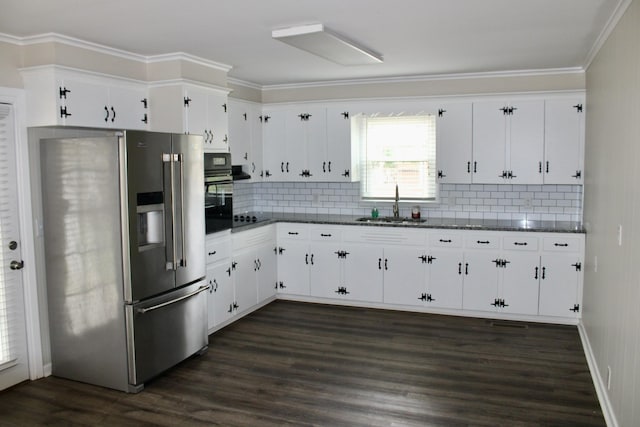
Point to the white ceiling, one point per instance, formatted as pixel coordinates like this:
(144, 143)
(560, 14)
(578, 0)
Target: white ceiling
(416, 37)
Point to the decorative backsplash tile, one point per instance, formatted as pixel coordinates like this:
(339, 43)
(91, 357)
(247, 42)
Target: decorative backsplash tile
(464, 201)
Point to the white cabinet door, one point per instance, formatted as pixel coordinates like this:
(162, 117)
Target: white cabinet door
(221, 296)
(218, 122)
(560, 279)
(86, 104)
(195, 105)
(293, 267)
(519, 287)
(338, 166)
(266, 271)
(404, 275)
(244, 267)
(363, 273)
(489, 142)
(481, 275)
(326, 269)
(525, 142)
(454, 138)
(240, 121)
(274, 152)
(256, 154)
(129, 107)
(445, 276)
(564, 141)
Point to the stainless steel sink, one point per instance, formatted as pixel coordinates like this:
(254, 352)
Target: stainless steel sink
(391, 220)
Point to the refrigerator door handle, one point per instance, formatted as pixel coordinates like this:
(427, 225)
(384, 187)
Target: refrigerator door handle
(173, 301)
(170, 158)
(183, 261)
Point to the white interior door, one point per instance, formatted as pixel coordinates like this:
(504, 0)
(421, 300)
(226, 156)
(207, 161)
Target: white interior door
(13, 346)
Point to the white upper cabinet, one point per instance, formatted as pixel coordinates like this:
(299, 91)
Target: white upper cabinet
(508, 141)
(245, 136)
(307, 142)
(564, 141)
(74, 98)
(454, 139)
(193, 109)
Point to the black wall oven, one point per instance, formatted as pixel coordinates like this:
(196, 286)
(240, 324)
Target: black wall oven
(218, 192)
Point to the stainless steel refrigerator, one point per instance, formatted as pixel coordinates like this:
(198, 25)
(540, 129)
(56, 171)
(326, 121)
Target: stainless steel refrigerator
(124, 250)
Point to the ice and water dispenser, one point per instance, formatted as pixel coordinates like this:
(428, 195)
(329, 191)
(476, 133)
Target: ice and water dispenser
(150, 217)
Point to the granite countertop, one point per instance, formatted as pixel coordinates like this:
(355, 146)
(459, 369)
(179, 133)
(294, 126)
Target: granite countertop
(436, 223)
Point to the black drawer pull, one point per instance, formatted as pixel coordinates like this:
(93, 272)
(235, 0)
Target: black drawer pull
(293, 233)
(520, 243)
(564, 245)
(213, 253)
(445, 240)
(483, 242)
(325, 235)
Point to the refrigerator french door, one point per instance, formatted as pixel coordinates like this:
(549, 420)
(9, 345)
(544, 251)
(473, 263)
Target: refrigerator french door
(124, 250)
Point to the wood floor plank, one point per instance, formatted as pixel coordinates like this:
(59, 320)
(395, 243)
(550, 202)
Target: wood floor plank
(306, 364)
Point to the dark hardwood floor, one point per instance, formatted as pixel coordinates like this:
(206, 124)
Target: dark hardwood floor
(308, 364)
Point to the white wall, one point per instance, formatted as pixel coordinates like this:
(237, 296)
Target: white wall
(611, 314)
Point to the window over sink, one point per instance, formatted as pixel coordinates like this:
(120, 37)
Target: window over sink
(397, 150)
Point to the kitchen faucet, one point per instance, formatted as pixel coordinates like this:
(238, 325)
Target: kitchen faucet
(396, 208)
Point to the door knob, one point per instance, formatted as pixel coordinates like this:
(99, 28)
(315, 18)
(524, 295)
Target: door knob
(16, 265)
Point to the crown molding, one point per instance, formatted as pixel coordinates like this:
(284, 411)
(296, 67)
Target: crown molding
(183, 81)
(606, 31)
(95, 47)
(426, 78)
(238, 82)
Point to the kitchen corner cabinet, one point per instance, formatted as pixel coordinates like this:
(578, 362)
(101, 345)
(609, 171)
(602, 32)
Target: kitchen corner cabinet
(454, 143)
(245, 137)
(294, 259)
(564, 141)
(75, 98)
(192, 109)
(508, 141)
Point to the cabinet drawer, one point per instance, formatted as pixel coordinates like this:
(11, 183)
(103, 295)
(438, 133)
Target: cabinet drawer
(482, 242)
(326, 235)
(385, 235)
(562, 244)
(445, 240)
(217, 248)
(253, 237)
(293, 231)
(520, 243)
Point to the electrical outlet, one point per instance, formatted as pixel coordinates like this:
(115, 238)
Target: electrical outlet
(619, 234)
(527, 202)
(608, 377)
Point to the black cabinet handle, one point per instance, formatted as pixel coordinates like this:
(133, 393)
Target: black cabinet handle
(468, 167)
(213, 253)
(547, 168)
(563, 245)
(379, 263)
(329, 166)
(325, 235)
(293, 233)
(483, 242)
(520, 243)
(287, 167)
(536, 275)
(475, 167)
(282, 167)
(385, 263)
(311, 259)
(466, 268)
(445, 240)
(324, 167)
(459, 268)
(106, 111)
(544, 272)
(306, 259)
(113, 117)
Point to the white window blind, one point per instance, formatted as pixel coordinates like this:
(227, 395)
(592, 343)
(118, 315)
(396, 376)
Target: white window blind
(398, 150)
(9, 286)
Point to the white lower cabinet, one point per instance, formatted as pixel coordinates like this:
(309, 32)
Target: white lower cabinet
(221, 295)
(364, 269)
(325, 269)
(481, 276)
(561, 276)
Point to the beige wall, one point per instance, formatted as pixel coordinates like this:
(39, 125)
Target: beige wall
(244, 92)
(611, 315)
(10, 60)
(433, 87)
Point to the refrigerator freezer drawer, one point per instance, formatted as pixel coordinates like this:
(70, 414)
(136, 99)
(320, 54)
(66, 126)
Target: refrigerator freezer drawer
(164, 331)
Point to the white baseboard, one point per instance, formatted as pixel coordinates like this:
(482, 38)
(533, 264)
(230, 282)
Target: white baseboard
(598, 382)
(47, 369)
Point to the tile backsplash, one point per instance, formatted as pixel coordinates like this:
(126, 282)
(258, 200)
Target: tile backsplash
(463, 201)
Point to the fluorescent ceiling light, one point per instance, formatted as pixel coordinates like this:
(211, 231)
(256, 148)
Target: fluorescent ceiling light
(316, 39)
